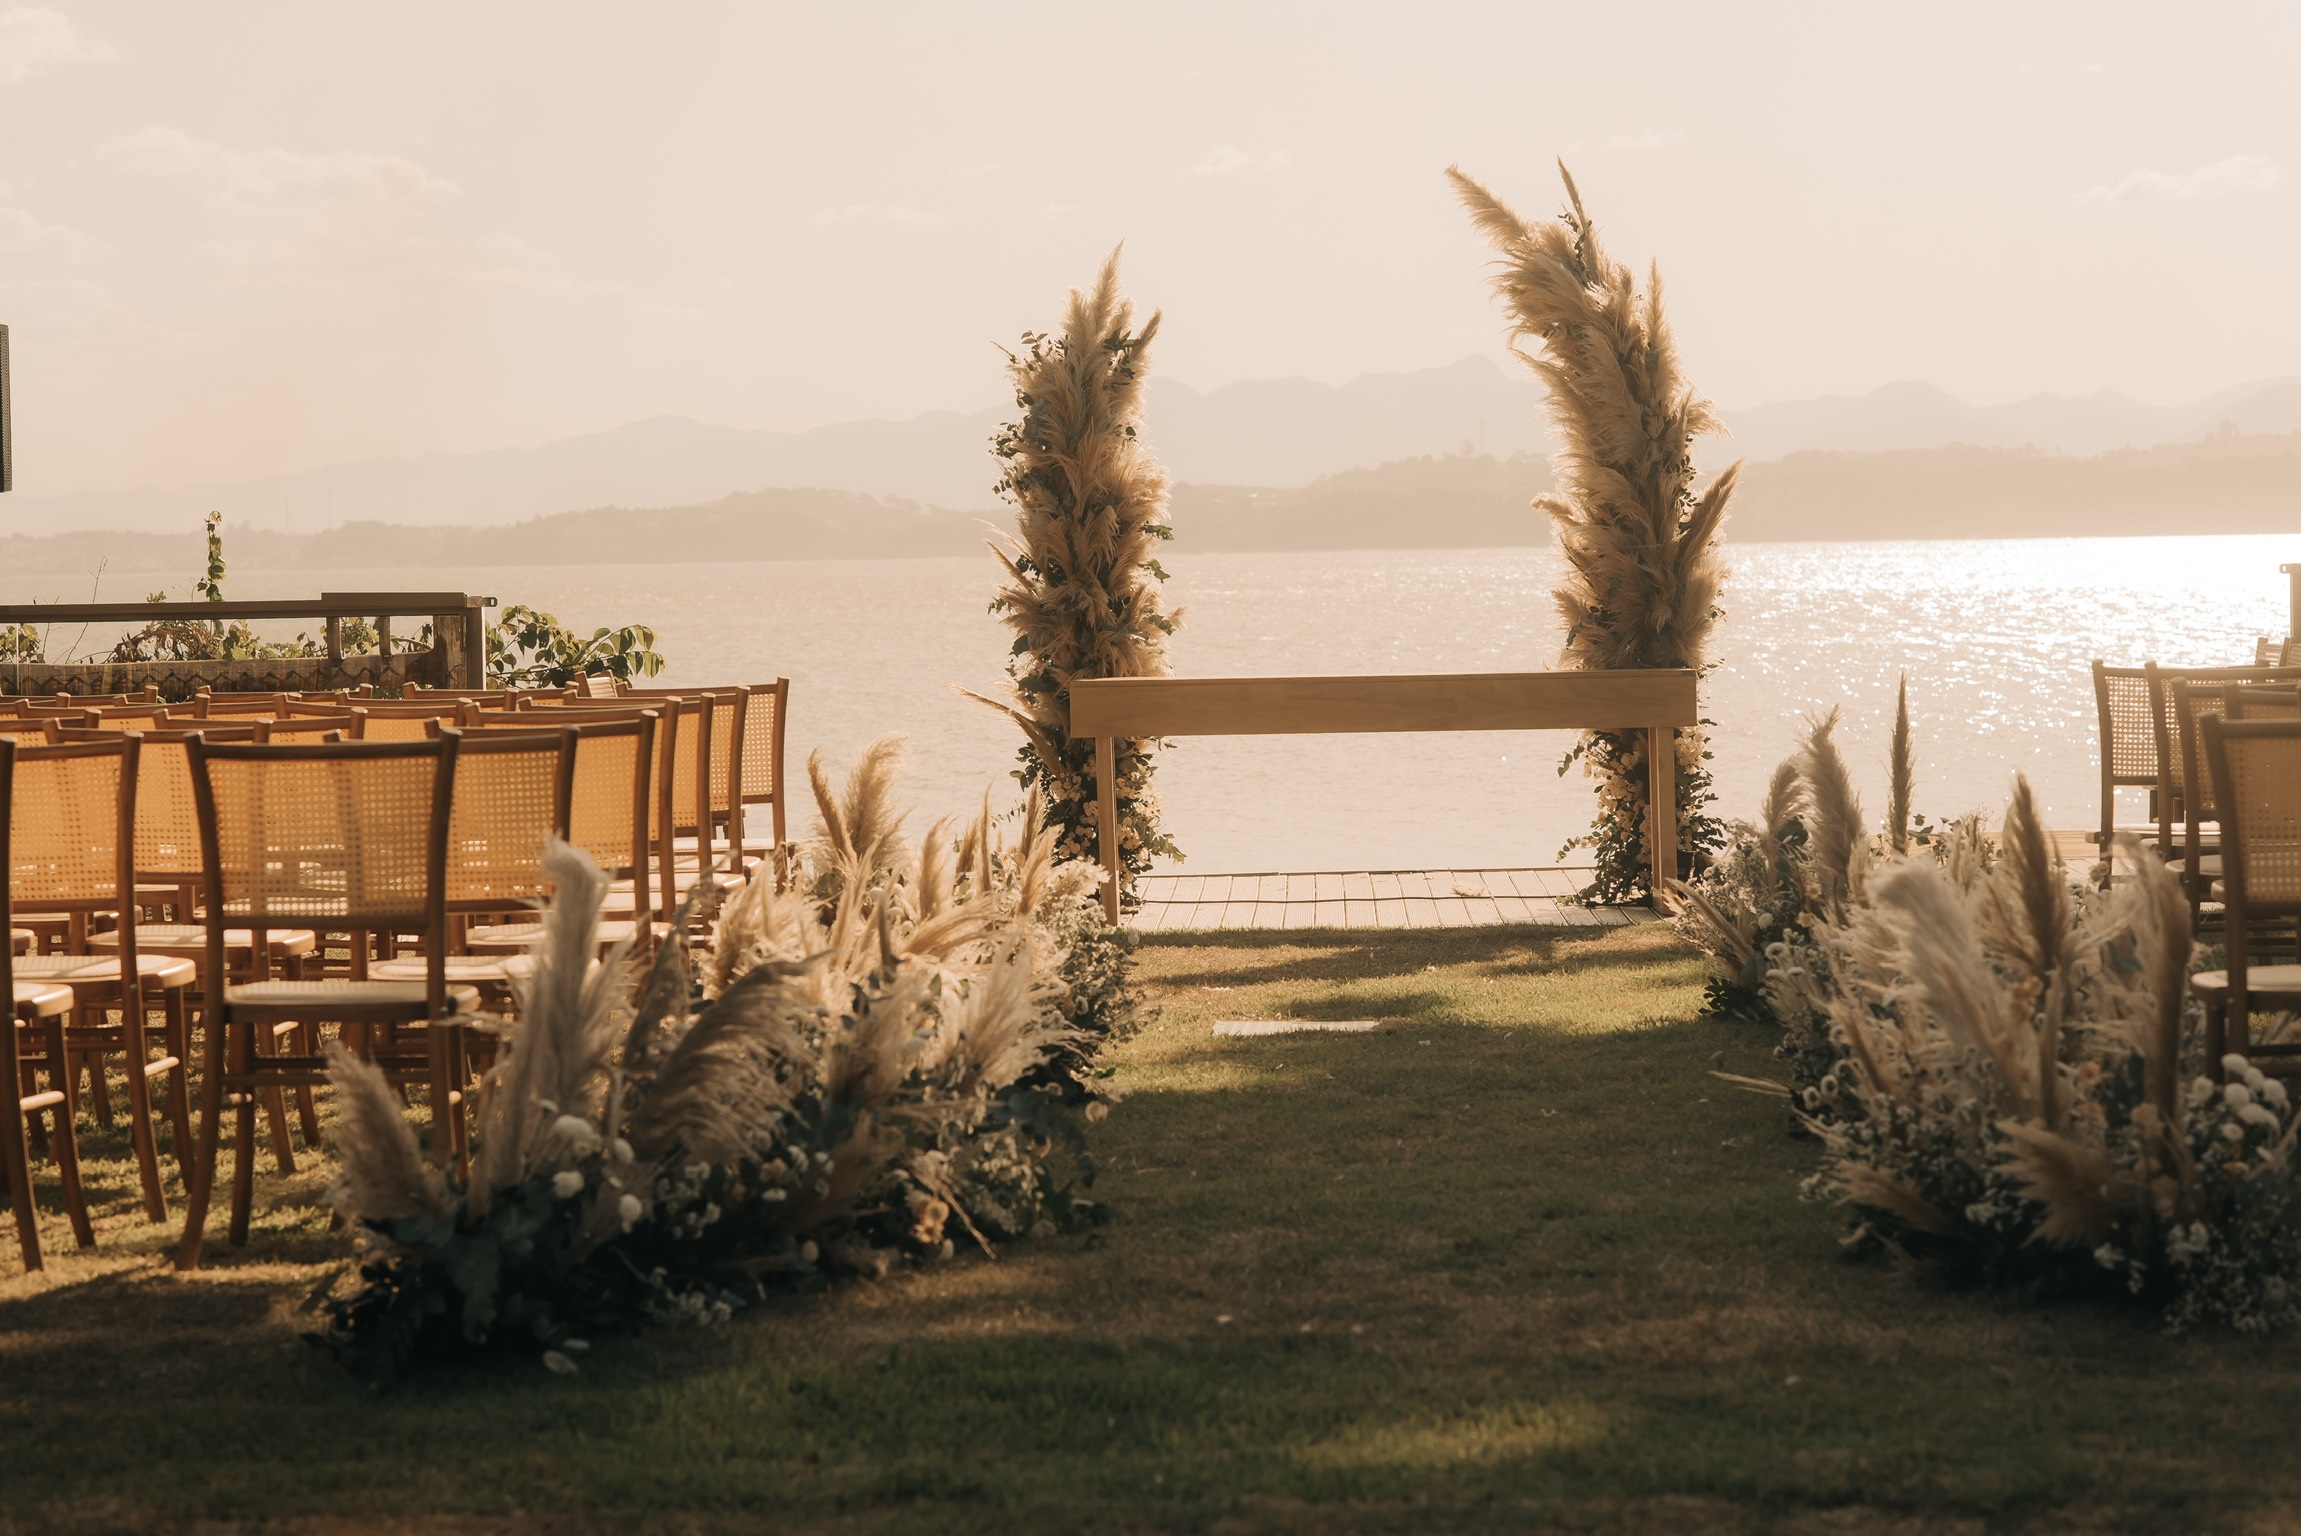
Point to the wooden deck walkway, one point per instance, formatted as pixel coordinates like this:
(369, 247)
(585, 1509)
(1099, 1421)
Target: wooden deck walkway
(1413, 898)
(1376, 898)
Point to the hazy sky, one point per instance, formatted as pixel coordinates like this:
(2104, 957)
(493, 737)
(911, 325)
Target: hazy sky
(242, 238)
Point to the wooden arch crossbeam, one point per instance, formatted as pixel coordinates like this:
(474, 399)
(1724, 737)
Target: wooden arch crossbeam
(1655, 701)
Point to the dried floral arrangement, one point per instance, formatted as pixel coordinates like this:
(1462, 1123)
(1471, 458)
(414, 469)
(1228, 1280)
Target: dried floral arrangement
(1642, 545)
(1083, 579)
(2003, 1065)
(889, 1059)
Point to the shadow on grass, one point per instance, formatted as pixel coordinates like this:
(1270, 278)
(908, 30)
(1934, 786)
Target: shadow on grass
(1346, 954)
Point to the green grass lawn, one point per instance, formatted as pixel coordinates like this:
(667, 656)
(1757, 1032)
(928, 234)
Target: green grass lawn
(1517, 1262)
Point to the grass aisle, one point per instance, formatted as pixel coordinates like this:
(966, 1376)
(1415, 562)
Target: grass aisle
(1516, 1263)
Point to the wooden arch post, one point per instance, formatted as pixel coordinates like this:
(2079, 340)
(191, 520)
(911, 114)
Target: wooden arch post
(1655, 701)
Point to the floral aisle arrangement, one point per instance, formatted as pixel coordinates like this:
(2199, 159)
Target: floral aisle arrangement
(2003, 1067)
(1083, 594)
(875, 1066)
(1641, 543)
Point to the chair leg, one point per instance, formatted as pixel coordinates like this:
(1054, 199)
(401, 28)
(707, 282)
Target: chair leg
(16, 1173)
(2216, 1036)
(141, 1133)
(307, 1107)
(68, 1174)
(179, 1045)
(99, 1087)
(201, 1180)
(276, 1109)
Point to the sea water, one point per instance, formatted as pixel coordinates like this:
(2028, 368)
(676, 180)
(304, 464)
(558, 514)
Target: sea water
(1995, 638)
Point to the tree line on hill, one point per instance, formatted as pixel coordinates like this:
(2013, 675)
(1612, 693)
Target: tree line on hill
(2225, 483)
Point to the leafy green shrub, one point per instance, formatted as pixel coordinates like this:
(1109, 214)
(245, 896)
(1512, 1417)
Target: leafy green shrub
(528, 648)
(843, 1076)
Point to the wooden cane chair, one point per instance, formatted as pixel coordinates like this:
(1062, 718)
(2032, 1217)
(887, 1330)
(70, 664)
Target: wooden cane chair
(2191, 698)
(2121, 699)
(512, 792)
(2256, 770)
(680, 788)
(39, 1010)
(132, 717)
(73, 818)
(608, 812)
(2180, 774)
(168, 881)
(349, 837)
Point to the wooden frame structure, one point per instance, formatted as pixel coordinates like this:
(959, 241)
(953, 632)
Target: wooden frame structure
(1655, 701)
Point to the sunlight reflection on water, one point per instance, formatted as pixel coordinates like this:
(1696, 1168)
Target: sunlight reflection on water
(1995, 636)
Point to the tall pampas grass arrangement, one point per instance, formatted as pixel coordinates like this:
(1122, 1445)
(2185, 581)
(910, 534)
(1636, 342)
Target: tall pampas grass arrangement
(1641, 541)
(1083, 584)
(873, 1064)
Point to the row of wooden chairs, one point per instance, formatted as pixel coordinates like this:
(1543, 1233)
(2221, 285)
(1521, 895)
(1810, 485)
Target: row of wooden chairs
(621, 788)
(2150, 723)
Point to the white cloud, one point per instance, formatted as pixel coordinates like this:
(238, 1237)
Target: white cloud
(32, 37)
(72, 304)
(2223, 178)
(876, 213)
(1230, 160)
(22, 235)
(276, 178)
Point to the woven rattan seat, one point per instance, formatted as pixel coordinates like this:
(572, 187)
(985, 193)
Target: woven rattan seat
(101, 970)
(513, 938)
(190, 941)
(41, 999)
(371, 1002)
(474, 970)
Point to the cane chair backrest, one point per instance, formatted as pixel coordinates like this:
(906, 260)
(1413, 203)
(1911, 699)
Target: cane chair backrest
(348, 835)
(2178, 770)
(491, 698)
(2256, 768)
(2263, 701)
(511, 798)
(665, 720)
(399, 722)
(73, 825)
(337, 727)
(133, 717)
(167, 834)
(763, 723)
(34, 730)
(246, 706)
(612, 793)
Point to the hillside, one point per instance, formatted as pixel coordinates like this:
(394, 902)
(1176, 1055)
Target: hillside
(2228, 483)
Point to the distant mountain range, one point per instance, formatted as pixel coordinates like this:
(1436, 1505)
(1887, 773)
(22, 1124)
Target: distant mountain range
(2223, 483)
(1274, 434)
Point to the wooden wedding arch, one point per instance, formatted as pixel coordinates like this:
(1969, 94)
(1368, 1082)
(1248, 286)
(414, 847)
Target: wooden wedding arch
(1654, 701)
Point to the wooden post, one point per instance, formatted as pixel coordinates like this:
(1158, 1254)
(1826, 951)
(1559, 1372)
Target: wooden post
(1107, 822)
(475, 668)
(1661, 812)
(2293, 605)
